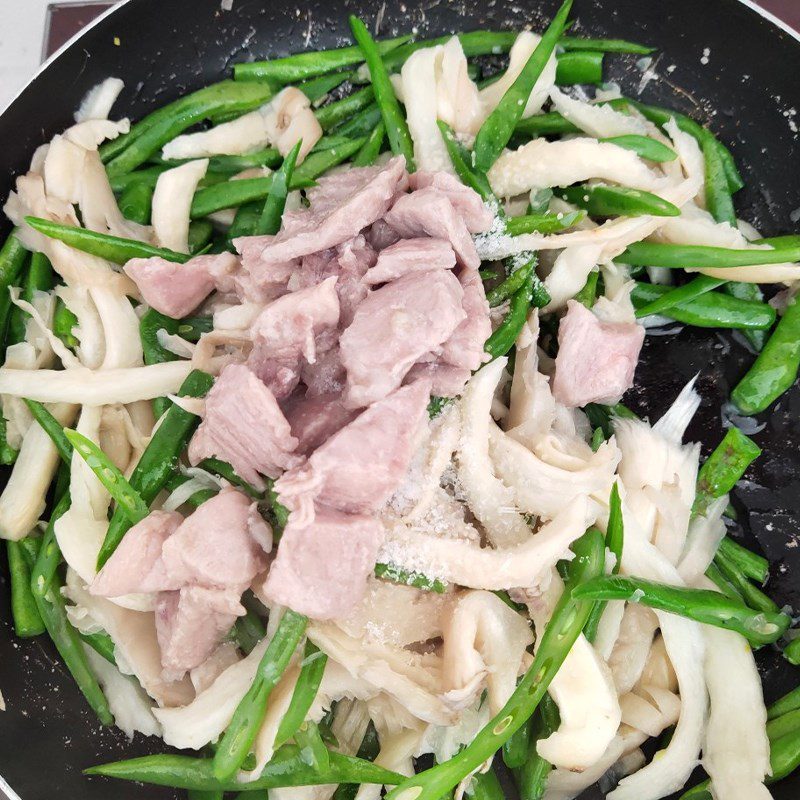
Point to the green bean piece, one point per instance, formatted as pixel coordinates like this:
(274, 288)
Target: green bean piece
(286, 768)
(787, 723)
(371, 149)
(369, 749)
(515, 750)
(147, 177)
(305, 691)
(775, 370)
(504, 337)
(512, 284)
(395, 574)
(548, 124)
(318, 163)
(200, 233)
(485, 786)
(751, 595)
(789, 702)
(232, 194)
(700, 792)
(312, 748)
(24, 610)
(272, 213)
(718, 198)
(327, 142)
(277, 513)
(462, 163)
(604, 45)
(679, 256)
(498, 128)
(112, 248)
(13, 257)
(52, 427)
(250, 630)
(39, 278)
(564, 627)
(597, 439)
(148, 136)
(192, 328)
(362, 124)
(159, 459)
(102, 644)
(136, 202)
(751, 565)
(710, 310)
(644, 146)
(393, 118)
(335, 113)
(437, 405)
(579, 66)
(316, 89)
(228, 164)
(750, 292)
(241, 732)
(602, 416)
(784, 756)
(543, 223)
(531, 779)
(154, 352)
(302, 66)
(8, 454)
(64, 322)
(44, 569)
(723, 468)
(225, 470)
(588, 293)
(702, 605)
(618, 201)
(714, 574)
(680, 295)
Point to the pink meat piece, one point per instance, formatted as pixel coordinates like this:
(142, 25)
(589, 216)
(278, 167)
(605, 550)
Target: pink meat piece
(445, 379)
(315, 419)
(343, 205)
(465, 348)
(222, 544)
(429, 212)
(326, 375)
(381, 235)
(396, 326)
(467, 202)
(322, 568)
(272, 278)
(177, 289)
(355, 259)
(190, 623)
(358, 469)
(136, 565)
(244, 426)
(596, 360)
(411, 255)
(285, 334)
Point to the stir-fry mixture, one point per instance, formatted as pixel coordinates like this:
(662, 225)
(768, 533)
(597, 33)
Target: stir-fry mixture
(319, 373)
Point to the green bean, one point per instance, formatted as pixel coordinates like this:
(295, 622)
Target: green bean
(272, 213)
(615, 201)
(437, 405)
(604, 45)
(396, 125)
(362, 124)
(588, 293)
(12, 262)
(24, 610)
(53, 428)
(504, 337)
(751, 595)
(531, 779)
(147, 177)
(159, 459)
(228, 164)
(718, 198)
(301, 66)
(644, 146)
(64, 322)
(784, 756)
(543, 223)
(701, 605)
(787, 723)
(39, 278)
(305, 690)
(395, 574)
(579, 66)
(318, 163)
(371, 149)
(102, 644)
(680, 256)
(312, 748)
(44, 568)
(598, 437)
(602, 416)
(329, 141)
(231, 194)
(498, 128)
(196, 794)
(8, 454)
(200, 233)
(564, 627)
(277, 513)
(112, 248)
(515, 750)
(462, 163)
(136, 202)
(710, 310)
(250, 630)
(241, 732)
(714, 574)
(549, 124)
(148, 136)
(512, 284)
(316, 89)
(154, 352)
(750, 292)
(700, 792)
(226, 471)
(775, 370)
(369, 749)
(723, 468)
(333, 114)
(678, 296)
(789, 702)
(751, 565)
(485, 786)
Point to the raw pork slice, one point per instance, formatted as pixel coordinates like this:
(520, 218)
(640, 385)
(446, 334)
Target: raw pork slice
(411, 255)
(467, 202)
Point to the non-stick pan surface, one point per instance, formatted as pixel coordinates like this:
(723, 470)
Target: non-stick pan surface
(718, 60)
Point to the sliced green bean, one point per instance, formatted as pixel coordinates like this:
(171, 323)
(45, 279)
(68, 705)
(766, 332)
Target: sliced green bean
(548, 124)
(24, 609)
(369, 749)
(393, 118)
(515, 750)
(318, 163)
(751, 595)
(678, 296)
(232, 194)
(272, 213)
(485, 786)
(102, 644)
(136, 202)
(644, 146)
(789, 702)
(579, 66)
(302, 66)
(371, 149)
(226, 471)
(39, 278)
(504, 337)
(618, 201)
(751, 564)
(362, 124)
(684, 256)
(512, 284)
(44, 569)
(335, 113)
(604, 45)
(718, 198)
(200, 233)
(462, 163)
(154, 352)
(787, 723)
(588, 293)
(701, 605)
(305, 691)
(395, 574)
(64, 322)
(240, 734)
(312, 748)
(543, 223)
(784, 756)
(531, 779)
(12, 263)
(159, 459)
(52, 427)
(714, 574)
(316, 89)
(497, 129)
(564, 627)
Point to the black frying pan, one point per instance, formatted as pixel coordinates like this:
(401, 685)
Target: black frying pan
(163, 48)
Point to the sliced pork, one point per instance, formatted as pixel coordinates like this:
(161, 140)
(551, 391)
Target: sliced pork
(465, 348)
(358, 469)
(315, 419)
(411, 255)
(244, 426)
(395, 327)
(321, 569)
(178, 289)
(136, 565)
(467, 202)
(445, 379)
(596, 360)
(220, 545)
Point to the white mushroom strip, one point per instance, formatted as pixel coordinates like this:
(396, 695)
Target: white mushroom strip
(288, 118)
(467, 564)
(23, 499)
(172, 203)
(690, 156)
(706, 531)
(598, 121)
(565, 784)
(541, 164)
(459, 103)
(397, 750)
(123, 345)
(490, 501)
(608, 628)
(569, 273)
(650, 709)
(629, 655)
(484, 639)
(658, 670)
(445, 742)
(99, 100)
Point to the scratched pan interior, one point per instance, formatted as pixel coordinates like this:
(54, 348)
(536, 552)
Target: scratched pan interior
(748, 90)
